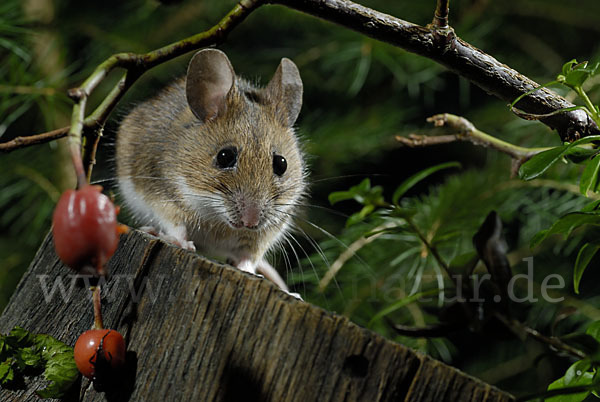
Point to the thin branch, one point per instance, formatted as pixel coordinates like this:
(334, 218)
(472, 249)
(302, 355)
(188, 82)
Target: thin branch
(553, 342)
(432, 250)
(440, 18)
(22, 142)
(97, 304)
(468, 132)
(446, 48)
(27, 90)
(436, 41)
(136, 64)
(74, 135)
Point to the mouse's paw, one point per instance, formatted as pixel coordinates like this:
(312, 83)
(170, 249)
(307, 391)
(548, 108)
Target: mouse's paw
(150, 230)
(188, 245)
(184, 244)
(294, 294)
(247, 266)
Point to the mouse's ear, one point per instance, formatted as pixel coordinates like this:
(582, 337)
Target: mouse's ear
(210, 77)
(285, 91)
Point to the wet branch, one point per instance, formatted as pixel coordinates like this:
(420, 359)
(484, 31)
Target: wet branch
(22, 142)
(466, 131)
(436, 41)
(440, 18)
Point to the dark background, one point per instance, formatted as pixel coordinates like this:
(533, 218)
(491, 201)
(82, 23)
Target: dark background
(359, 94)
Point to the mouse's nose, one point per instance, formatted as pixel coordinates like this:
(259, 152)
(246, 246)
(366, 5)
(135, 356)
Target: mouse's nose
(250, 216)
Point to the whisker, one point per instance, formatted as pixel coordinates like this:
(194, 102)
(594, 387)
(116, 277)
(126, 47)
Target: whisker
(330, 210)
(335, 239)
(349, 176)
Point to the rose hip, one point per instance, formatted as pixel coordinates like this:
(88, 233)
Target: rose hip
(85, 228)
(99, 352)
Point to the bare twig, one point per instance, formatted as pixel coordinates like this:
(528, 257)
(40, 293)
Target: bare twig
(432, 250)
(22, 142)
(436, 41)
(440, 18)
(460, 57)
(468, 132)
(521, 329)
(97, 304)
(136, 65)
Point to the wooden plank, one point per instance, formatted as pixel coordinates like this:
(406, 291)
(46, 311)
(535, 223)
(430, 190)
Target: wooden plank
(201, 331)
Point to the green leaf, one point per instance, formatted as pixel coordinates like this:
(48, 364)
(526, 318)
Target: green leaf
(363, 187)
(538, 238)
(19, 337)
(580, 154)
(566, 224)
(577, 377)
(360, 216)
(575, 74)
(589, 177)
(21, 349)
(576, 371)
(568, 66)
(585, 255)
(362, 193)
(594, 330)
(61, 369)
(338, 196)
(592, 206)
(6, 373)
(541, 162)
(30, 357)
(419, 176)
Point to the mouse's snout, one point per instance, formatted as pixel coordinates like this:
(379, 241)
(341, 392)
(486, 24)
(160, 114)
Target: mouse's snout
(250, 215)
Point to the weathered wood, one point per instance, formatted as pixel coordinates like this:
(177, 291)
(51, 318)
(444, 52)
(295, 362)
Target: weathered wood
(200, 331)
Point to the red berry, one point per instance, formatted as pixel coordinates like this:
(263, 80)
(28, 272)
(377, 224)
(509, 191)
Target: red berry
(85, 228)
(99, 350)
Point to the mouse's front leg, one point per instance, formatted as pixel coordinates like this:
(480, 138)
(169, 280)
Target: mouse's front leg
(271, 273)
(246, 266)
(176, 235)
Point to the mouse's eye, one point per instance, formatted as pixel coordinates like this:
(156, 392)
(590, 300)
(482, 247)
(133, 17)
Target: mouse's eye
(226, 158)
(279, 165)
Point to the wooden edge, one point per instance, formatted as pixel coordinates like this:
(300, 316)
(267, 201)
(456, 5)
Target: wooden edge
(204, 331)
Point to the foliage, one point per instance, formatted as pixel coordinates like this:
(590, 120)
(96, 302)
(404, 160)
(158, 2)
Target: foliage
(32, 99)
(434, 248)
(581, 378)
(574, 75)
(23, 353)
(359, 94)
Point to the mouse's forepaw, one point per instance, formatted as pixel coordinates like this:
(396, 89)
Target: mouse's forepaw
(294, 294)
(247, 266)
(178, 241)
(188, 245)
(150, 230)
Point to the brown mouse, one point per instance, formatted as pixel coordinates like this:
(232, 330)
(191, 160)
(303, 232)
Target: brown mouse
(212, 162)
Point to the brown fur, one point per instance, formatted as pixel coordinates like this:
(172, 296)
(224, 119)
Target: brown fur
(165, 150)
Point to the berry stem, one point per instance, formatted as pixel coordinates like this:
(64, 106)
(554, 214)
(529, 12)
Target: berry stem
(96, 299)
(78, 164)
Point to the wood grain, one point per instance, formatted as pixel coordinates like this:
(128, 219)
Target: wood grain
(200, 331)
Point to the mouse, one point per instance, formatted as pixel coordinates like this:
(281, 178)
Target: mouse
(212, 162)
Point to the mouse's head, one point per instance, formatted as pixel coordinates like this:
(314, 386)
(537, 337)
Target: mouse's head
(244, 164)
